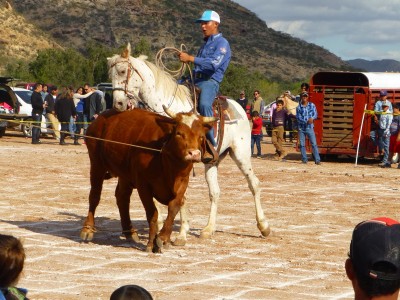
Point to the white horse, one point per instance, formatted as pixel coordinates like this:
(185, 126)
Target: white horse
(144, 82)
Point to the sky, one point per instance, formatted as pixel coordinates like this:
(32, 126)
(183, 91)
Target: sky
(367, 29)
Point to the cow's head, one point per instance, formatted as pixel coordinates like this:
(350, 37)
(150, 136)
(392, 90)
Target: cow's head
(188, 136)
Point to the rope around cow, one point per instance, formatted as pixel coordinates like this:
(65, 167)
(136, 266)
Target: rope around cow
(91, 137)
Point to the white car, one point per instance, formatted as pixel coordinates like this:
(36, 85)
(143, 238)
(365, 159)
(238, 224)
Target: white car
(25, 107)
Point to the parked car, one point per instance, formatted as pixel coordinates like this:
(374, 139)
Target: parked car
(266, 117)
(25, 107)
(107, 89)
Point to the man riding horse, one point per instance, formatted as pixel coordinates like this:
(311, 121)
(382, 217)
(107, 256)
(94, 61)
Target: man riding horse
(210, 65)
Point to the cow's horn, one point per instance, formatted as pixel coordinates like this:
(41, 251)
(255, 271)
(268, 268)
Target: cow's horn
(170, 113)
(209, 119)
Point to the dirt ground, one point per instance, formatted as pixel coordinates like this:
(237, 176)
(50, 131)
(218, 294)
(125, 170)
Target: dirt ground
(311, 210)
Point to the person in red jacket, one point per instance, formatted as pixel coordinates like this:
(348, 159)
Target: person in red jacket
(256, 133)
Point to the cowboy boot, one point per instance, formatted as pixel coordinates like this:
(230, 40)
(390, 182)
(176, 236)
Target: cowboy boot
(209, 155)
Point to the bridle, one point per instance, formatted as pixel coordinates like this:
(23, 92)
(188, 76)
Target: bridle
(131, 68)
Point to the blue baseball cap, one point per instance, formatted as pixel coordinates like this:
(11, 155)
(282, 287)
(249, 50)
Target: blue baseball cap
(383, 93)
(209, 15)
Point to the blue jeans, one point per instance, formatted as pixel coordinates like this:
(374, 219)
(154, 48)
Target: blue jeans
(209, 90)
(375, 136)
(309, 132)
(385, 142)
(256, 139)
(37, 120)
(71, 127)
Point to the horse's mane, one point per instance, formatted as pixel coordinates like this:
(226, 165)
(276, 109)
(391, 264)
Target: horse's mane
(167, 84)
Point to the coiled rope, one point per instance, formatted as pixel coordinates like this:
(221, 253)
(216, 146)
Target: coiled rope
(178, 72)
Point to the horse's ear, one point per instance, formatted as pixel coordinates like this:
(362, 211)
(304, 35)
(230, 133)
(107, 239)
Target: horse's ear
(127, 51)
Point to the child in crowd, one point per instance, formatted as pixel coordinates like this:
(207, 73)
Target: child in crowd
(256, 133)
(12, 257)
(279, 117)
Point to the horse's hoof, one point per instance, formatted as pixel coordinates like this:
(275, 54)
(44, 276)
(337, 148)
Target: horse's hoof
(179, 241)
(149, 249)
(205, 235)
(264, 229)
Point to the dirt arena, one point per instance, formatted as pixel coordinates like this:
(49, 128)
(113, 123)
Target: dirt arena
(311, 210)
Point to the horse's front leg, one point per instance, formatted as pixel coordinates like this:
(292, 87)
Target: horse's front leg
(123, 194)
(211, 173)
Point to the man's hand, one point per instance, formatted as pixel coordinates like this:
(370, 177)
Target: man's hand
(310, 121)
(184, 57)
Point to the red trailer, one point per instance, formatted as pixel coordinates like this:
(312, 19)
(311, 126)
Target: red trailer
(340, 99)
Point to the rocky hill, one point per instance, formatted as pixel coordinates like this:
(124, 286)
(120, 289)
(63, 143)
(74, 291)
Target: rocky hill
(383, 65)
(72, 23)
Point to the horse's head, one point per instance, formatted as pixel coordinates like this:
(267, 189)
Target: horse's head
(125, 77)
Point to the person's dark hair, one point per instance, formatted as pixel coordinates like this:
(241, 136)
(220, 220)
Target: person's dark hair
(131, 292)
(279, 101)
(12, 257)
(373, 287)
(81, 87)
(255, 113)
(305, 85)
(35, 86)
(53, 88)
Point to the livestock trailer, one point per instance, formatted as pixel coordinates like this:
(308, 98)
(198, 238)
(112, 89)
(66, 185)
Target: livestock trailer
(340, 99)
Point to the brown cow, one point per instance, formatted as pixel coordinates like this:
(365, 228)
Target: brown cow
(149, 152)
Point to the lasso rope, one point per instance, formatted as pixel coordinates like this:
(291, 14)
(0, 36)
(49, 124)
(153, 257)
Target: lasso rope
(90, 137)
(178, 72)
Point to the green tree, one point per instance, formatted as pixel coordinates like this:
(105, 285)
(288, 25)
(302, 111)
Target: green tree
(62, 67)
(19, 69)
(97, 62)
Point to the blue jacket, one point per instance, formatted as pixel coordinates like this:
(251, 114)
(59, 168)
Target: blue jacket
(213, 57)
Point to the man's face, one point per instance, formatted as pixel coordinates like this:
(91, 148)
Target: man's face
(209, 28)
(304, 99)
(39, 88)
(279, 106)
